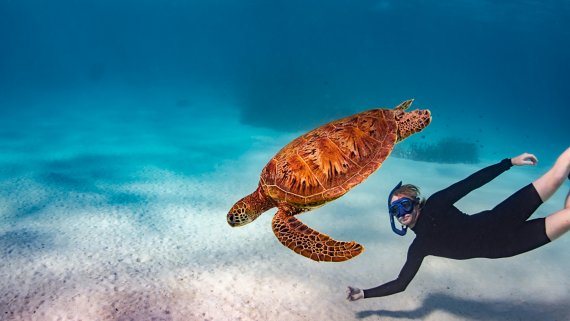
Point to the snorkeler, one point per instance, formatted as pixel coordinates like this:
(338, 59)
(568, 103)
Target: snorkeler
(443, 230)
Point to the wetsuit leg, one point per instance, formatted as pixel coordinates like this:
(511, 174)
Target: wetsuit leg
(528, 236)
(513, 211)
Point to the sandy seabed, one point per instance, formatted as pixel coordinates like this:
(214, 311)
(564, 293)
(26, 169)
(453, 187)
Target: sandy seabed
(155, 245)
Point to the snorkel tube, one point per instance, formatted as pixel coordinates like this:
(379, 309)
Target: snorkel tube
(404, 229)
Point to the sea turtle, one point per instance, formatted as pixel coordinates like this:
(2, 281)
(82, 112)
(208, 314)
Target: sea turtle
(321, 166)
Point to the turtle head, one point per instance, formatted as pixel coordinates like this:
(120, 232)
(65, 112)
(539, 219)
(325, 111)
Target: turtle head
(247, 209)
(410, 122)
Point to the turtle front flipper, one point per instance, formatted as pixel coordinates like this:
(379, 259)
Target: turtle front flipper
(305, 241)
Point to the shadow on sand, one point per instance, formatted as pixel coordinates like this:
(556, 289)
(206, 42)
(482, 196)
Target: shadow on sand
(468, 309)
(24, 242)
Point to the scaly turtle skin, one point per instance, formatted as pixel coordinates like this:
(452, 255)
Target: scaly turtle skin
(321, 166)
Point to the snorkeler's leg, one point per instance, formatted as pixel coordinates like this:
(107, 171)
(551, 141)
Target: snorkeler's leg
(534, 233)
(557, 223)
(513, 211)
(518, 207)
(528, 236)
(548, 183)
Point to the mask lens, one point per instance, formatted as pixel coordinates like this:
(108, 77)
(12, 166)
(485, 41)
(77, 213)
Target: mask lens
(394, 209)
(407, 205)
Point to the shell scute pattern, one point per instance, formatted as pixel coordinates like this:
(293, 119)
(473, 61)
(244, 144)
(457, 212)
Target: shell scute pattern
(325, 163)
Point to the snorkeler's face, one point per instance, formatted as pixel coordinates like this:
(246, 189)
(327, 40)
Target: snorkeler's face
(404, 209)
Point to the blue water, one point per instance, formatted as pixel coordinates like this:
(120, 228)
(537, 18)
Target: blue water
(486, 70)
(130, 107)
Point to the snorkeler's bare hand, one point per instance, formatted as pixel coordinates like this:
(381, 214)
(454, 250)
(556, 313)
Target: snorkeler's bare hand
(524, 159)
(353, 294)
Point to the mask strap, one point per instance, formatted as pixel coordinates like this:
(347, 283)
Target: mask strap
(404, 229)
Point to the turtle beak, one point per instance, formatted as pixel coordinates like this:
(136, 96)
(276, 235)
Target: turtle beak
(237, 219)
(231, 220)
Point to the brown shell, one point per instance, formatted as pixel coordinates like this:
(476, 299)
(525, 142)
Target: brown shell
(326, 162)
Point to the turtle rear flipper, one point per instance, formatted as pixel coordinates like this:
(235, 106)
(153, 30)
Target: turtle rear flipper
(305, 241)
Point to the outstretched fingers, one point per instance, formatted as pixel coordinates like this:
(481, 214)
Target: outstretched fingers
(525, 159)
(353, 293)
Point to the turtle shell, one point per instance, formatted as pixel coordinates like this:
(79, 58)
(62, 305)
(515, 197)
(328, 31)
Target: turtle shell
(328, 161)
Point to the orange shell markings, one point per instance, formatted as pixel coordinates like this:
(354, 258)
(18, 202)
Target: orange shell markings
(326, 162)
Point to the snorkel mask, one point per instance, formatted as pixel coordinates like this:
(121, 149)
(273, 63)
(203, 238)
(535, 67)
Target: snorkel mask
(398, 209)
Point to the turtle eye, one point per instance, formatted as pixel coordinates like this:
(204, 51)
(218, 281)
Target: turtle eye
(399, 114)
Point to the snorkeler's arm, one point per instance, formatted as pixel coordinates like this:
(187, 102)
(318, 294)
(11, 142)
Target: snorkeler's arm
(411, 267)
(458, 190)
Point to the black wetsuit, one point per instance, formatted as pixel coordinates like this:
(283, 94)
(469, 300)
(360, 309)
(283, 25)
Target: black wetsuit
(443, 230)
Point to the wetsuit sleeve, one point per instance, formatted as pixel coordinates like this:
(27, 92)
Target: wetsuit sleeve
(411, 267)
(458, 190)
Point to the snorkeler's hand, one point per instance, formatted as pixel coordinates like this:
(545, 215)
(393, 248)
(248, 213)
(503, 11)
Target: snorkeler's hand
(524, 159)
(353, 294)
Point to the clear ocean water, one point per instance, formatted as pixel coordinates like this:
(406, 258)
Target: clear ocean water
(128, 130)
